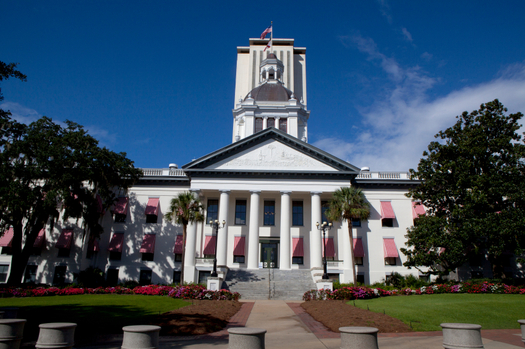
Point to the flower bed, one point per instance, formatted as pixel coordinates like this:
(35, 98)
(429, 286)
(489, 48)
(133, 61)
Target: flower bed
(350, 293)
(183, 292)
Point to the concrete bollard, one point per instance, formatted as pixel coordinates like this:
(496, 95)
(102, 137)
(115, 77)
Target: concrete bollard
(9, 312)
(11, 333)
(354, 337)
(56, 335)
(461, 336)
(522, 325)
(246, 338)
(140, 337)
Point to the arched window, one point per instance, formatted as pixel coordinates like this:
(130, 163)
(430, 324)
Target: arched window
(258, 124)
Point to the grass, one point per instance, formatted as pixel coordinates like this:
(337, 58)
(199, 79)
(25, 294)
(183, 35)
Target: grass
(427, 312)
(94, 314)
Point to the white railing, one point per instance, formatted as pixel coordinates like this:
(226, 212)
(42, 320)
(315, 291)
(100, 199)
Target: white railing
(203, 261)
(173, 172)
(334, 264)
(383, 175)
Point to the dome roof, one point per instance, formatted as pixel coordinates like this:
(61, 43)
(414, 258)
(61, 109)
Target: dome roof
(271, 92)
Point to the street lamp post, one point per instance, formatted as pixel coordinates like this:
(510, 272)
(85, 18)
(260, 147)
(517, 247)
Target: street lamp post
(216, 225)
(324, 227)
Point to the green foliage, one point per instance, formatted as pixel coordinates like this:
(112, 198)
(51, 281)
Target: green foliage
(90, 277)
(348, 203)
(184, 209)
(427, 312)
(473, 188)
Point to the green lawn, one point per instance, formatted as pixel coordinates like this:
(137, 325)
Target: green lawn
(102, 314)
(427, 312)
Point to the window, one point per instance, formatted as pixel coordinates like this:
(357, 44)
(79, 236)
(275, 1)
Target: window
(258, 124)
(390, 261)
(112, 276)
(360, 278)
(64, 252)
(178, 257)
(115, 247)
(356, 222)
(152, 210)
(121, 208)
(271, 122)
(240, 212)
(297, 260)
(120, 218)
(60, 275)
(358, 260)
(30, 274)
(7, 251)
(238, 259)
(151, 218)
(4, 269)
(147, 257)
(213, 210)
(324, 207)
(297, 213)
(476, 260)
(115, 255)
(424, 277)
(283, 125)
(476, 274)
(176, 276)
(203, 276)
(145, 277)
(387, 222)
(269, 213)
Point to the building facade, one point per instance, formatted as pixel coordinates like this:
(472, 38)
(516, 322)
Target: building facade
(269, 186)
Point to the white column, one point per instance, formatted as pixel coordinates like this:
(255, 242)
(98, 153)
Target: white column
(189, 256)
(253, 233)
(285, 241)
(315, 234)
(265, 122)
(222, 241)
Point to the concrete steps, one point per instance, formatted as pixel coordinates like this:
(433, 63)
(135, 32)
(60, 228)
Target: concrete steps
(269, 283)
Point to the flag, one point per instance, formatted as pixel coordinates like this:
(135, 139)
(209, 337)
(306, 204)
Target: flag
(266, 31)
(268, 45)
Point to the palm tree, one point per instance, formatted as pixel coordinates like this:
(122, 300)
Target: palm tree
(185, 208)
(349, 203)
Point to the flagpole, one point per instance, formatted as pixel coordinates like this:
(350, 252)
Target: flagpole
(271, 35)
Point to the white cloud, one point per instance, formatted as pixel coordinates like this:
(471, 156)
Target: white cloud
(20, 113)
(398, 126)
(384, 8)
(407, 34)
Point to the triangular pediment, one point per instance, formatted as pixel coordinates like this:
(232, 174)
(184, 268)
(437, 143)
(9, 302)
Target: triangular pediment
(271, 155)
(270, 151)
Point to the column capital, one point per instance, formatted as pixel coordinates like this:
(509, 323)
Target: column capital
(316, 192)
(255, 191)
(227, 191)
(286, 192)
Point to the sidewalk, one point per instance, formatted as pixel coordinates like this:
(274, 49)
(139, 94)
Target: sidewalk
(289, 326)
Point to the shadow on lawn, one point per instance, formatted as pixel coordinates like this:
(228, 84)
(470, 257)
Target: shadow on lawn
(91, 320)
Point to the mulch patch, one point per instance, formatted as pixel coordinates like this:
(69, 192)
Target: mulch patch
(202, 317)
(335, 314)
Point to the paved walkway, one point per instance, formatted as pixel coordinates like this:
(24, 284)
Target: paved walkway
(289, 326)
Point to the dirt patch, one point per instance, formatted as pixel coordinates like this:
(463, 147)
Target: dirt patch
(200, 318)
(335, 314)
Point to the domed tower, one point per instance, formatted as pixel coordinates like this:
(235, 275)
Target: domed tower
(270, 102)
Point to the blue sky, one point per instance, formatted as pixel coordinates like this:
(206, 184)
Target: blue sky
(155, 79)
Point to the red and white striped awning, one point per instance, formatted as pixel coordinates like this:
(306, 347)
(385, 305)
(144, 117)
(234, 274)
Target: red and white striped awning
(64, 241)
(7, 239)
(390, 248)
(358, 248)
(121, 206)
(238, 249)
(417, 209)
(153, 206)
(209, 245)
(386, 210)
(330, 249)
(178, 245)
(148, 244)
(115, 245)
(298, 249)
(40, 239)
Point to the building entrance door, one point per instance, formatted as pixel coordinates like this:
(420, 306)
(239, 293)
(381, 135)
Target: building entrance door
(269, 252)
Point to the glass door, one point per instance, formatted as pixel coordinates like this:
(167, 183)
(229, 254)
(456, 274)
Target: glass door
(269, 252)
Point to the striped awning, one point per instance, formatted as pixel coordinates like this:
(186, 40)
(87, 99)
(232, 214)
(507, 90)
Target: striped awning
(121, 206)
(148, 244)
(153, 206)
(7, 238)
(40, 239)
(298, 248)
(209, 245)
(386, 210)
(390, 248)
(330, 249)
(238, 249)
(359, 251)
(115, 245)
(64, 241)
(178, 245)
(417, 209)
